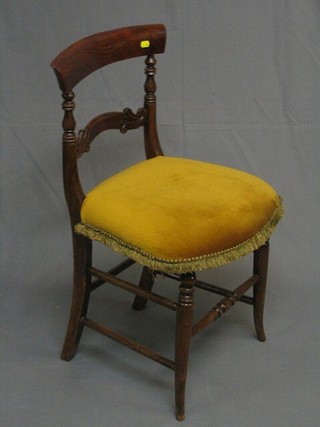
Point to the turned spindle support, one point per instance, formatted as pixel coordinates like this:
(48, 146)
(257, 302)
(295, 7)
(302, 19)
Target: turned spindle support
(151, 139)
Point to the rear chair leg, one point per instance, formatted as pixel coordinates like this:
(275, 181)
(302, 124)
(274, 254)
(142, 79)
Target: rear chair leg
(183, 337)
(260, 267)
(146, 283)
(82, 252)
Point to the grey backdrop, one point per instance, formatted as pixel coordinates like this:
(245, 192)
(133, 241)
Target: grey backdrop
(238, 85)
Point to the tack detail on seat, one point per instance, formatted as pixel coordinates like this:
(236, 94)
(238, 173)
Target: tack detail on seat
(181, 215)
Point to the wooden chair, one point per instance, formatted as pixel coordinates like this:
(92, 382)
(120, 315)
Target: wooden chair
(173, 216)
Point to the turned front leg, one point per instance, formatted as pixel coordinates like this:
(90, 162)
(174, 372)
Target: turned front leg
(183, 336)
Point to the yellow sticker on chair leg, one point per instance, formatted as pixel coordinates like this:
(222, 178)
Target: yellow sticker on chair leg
(144, 43)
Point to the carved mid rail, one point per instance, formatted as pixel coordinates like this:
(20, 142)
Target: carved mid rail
(122, 121)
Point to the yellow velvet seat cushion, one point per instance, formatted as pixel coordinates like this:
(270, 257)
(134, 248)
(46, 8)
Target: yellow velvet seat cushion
(179, 215)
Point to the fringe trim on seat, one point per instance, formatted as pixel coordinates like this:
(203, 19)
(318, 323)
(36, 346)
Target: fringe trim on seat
(179, 266)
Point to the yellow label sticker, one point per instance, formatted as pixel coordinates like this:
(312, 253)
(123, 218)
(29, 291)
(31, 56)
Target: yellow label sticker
(144, 43)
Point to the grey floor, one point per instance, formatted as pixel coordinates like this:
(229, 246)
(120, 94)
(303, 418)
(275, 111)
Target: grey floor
(234, 380)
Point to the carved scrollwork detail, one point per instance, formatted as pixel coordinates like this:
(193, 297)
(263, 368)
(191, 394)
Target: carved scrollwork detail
(83, 145)
(133, 120)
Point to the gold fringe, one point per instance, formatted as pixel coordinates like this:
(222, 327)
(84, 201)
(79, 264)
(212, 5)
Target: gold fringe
(180, 266)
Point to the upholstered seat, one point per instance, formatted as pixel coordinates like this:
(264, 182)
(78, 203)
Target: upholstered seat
(179, 215)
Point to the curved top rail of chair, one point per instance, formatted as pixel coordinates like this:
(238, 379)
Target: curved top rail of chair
(91, 53)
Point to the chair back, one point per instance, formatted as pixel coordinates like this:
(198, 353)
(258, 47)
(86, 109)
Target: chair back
(98, 50)
(81, 59)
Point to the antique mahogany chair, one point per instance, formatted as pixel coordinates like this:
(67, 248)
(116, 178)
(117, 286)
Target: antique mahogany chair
(173, 216)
